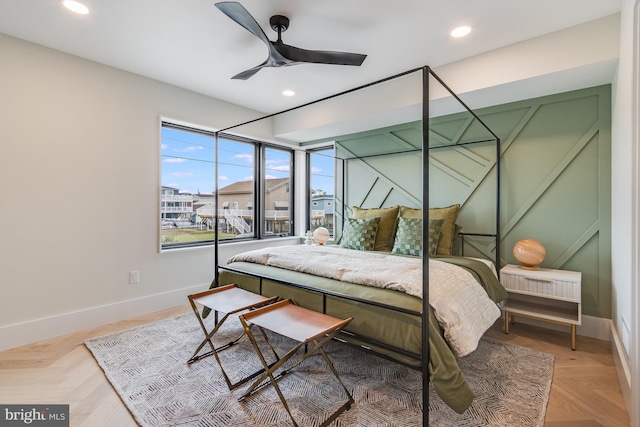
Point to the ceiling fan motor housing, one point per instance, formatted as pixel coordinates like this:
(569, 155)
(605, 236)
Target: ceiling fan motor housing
(279, 23)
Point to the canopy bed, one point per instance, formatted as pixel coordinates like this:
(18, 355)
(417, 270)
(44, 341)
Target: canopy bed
(408, 301)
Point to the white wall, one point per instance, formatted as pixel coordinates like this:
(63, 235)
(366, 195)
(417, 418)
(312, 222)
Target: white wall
(624, 198)
(80, 174)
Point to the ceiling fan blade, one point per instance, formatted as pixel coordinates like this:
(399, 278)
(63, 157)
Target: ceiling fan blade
(238, 13)
(296, 54)
(247, 74)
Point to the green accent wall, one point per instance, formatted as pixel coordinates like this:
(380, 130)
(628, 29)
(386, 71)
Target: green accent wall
(555, 180)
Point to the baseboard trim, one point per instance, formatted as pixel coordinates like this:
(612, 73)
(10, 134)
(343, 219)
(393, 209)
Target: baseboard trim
(622, 367)
(19, 334)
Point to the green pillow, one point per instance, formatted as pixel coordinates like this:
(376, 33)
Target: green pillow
(447, 234)
(386, 227)
(409, 236)
(435, 227)
(450, 215)
(360, 234)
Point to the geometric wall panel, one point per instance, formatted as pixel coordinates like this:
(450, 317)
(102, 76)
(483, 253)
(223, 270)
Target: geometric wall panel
(555, 179)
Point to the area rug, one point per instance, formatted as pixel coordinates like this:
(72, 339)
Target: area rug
(147, 367)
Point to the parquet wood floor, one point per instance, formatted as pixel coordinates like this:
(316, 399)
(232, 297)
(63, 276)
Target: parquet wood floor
(585, 390)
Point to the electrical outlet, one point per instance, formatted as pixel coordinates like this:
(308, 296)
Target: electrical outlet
(134, 277)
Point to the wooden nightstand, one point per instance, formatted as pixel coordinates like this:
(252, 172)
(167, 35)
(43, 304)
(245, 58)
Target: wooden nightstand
(545, 294)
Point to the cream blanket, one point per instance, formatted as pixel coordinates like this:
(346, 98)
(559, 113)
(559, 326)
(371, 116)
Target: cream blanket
(461, 305)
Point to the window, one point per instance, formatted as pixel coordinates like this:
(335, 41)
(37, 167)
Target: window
(187, 206)
(321, 188)
(188, 172)
(276, 178)
(236, 182)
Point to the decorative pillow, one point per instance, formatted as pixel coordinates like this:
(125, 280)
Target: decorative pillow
(450, 215)
(447, 232)
(456, 249)
(409, 236)
(386, 228)
(406, 212)
(435, 231)
(360, 234)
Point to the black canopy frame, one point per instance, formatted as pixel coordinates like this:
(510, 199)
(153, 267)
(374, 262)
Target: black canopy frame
(427, 74)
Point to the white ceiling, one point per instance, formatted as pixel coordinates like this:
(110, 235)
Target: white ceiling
(191, 44)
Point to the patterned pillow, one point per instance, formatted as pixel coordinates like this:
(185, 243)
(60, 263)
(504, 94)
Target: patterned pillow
(447, 235)
(360, 234)
(386, 227)
(435, 227)
(409, 236)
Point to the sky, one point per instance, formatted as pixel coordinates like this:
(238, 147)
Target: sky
(323, 172)
(188, 163)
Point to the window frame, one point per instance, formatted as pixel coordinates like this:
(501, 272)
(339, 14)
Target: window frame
(258, 199)
(262, 149)
(308, 178)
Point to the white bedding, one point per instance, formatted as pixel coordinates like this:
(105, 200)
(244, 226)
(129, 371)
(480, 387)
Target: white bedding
(460, 304)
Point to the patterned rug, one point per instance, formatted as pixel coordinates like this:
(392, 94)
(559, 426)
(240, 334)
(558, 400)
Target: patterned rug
(147, 367)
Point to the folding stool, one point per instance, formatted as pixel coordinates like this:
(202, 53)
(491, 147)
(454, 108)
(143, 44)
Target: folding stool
(302, 325)
(229, 299)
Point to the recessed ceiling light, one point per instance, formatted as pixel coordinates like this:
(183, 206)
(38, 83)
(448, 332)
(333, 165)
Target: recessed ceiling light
(76, 6)
(288, 93)
(461, 31)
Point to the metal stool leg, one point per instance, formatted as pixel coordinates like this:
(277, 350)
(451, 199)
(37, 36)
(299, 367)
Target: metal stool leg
(323, 332)
(269, 370)
(209, 335)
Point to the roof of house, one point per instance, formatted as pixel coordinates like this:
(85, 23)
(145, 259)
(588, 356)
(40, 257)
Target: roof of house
(247, 186)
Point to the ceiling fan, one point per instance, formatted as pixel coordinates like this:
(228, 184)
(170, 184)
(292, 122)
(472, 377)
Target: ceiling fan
(280, 54)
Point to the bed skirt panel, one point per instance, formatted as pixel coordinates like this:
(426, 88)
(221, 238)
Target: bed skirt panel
(391, 333)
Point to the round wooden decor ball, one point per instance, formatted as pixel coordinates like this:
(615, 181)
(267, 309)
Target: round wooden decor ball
(529, 253)
(321, 235)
